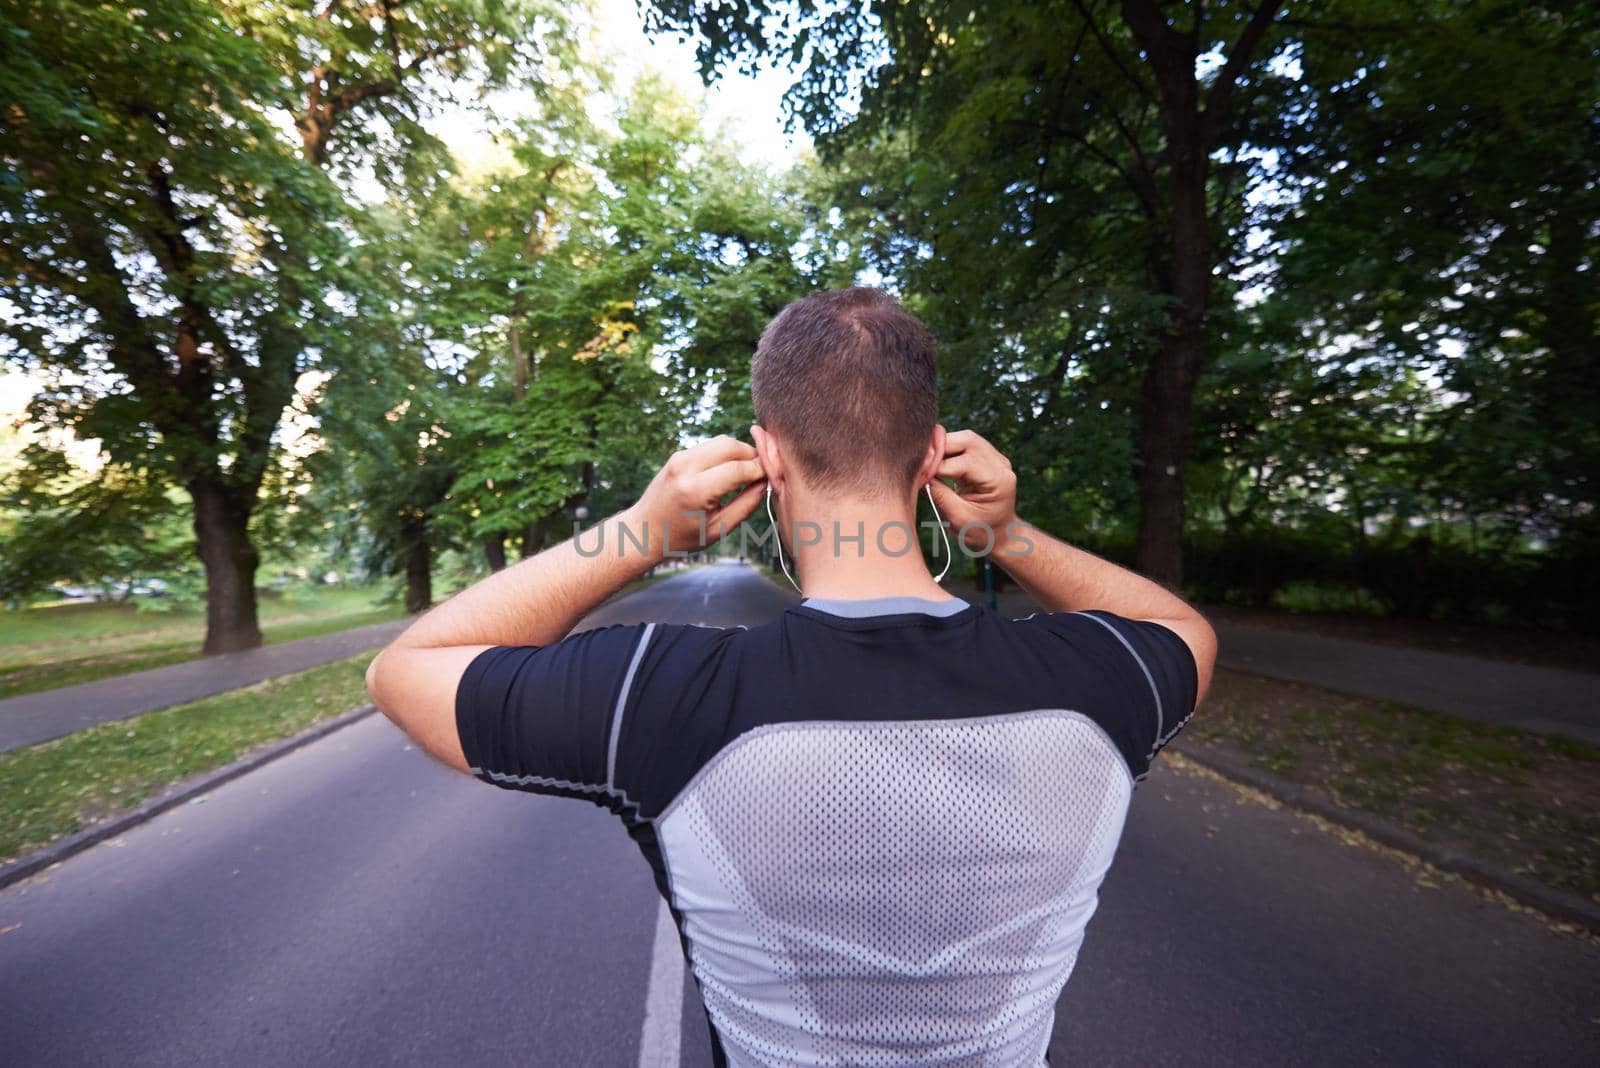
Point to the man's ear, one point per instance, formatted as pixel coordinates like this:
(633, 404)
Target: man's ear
(770, 456)
(932, 458)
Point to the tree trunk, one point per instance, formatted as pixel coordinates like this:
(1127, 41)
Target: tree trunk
(221, 525)
(419, 571)
(1164, 432)
(519, 360)
(533, 536)
(494, 551)
(1166, 402)
(1183, 268)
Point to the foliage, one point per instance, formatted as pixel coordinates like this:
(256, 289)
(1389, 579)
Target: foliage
(584, 302)
(374, 471)
(1327, 268)
(154, 224)
(106, 533)
(1399, 333)
(175, 194)
(1449, 227)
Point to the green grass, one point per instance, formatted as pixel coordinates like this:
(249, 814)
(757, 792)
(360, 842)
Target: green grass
(58, 787)
(1527, 802)
(72, 622)
(42, 648)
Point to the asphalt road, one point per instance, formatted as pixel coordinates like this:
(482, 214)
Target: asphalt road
(37, 717)
(354, 903)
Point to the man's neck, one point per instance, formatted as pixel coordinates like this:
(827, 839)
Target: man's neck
(876, 552)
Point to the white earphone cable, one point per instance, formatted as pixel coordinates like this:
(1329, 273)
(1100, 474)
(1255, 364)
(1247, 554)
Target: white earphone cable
(778, 539)
(942, 533)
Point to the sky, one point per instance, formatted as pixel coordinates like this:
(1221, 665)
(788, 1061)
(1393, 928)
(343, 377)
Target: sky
(747, 108)
(15, 392)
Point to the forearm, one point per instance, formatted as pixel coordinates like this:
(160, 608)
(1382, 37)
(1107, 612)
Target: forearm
(1067, 579)
(416, 680)
(539, 600)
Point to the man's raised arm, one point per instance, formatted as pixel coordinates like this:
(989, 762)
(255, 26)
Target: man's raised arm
(1060, 577)
(413, 681)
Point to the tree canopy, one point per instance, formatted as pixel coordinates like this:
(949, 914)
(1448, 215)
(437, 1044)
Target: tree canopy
(1257, 292)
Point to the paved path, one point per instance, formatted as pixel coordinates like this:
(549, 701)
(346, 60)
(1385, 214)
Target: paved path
(1543, 699)
(356, 903)
(38, 717)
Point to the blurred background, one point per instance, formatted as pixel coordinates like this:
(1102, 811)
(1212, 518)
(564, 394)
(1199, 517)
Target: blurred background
(1291, 307)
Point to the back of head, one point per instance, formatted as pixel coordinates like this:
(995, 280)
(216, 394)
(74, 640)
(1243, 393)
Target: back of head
(847, 380)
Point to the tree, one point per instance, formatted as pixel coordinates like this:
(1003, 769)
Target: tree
(60, 524)
(378, 479)
(607, 290)
(985, 100)
(195, 250)
(1449, 223)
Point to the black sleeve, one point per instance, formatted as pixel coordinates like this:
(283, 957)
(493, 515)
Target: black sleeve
(1153, 694)
(539, 718)
(677, 714)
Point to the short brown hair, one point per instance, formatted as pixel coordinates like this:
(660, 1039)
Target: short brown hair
(848, 378)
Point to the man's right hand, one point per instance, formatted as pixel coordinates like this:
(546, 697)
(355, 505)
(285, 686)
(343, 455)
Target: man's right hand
(685, 497)
(983, 504)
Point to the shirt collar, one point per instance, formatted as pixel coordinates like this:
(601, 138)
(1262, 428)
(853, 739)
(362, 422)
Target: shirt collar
(885, 606)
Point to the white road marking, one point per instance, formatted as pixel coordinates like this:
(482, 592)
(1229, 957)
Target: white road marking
(661, 1035)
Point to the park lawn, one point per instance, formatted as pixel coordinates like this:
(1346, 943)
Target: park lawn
(61, 786)
(1529, 803)
(42, 648)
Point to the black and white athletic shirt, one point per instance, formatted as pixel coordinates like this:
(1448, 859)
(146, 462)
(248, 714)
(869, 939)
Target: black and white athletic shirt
(880, 825)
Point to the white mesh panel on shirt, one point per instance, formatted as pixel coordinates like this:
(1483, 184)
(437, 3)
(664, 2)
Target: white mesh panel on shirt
(894, 893)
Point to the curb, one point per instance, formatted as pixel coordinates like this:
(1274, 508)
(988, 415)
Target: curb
(54, 853)
(1559, 905)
